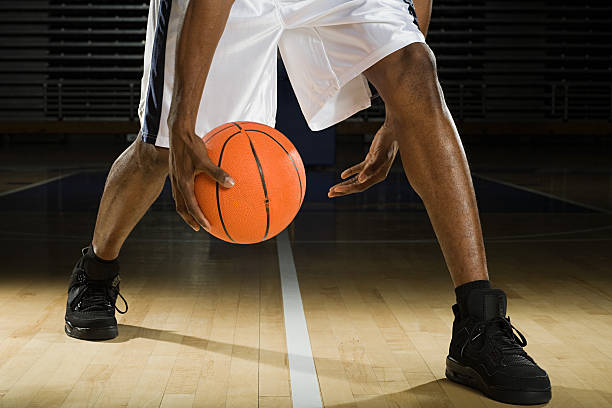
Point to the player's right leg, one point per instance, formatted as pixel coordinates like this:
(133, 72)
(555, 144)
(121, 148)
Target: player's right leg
(232, 93)
(134, 182)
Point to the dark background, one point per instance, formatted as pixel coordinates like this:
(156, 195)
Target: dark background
(510, 69)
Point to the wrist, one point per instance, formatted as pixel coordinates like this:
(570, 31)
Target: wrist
(180, 125)
(180, 120)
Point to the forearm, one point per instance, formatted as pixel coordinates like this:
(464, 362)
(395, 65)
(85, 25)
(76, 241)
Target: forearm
(202, 28)
(423, 12)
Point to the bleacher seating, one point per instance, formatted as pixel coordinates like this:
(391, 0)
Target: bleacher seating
(541, 60)
(71, 60)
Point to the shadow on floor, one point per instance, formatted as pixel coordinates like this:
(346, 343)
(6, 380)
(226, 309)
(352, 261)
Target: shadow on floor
(431, 395)
(427, 394)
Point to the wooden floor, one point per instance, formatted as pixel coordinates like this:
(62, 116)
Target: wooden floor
(205, 326)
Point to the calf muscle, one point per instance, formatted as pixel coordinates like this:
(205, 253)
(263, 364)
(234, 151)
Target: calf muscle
(432, 156)
(133, 183)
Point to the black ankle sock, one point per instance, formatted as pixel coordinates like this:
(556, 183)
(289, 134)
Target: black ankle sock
(92, 254)
(463, 290)
(98, 268)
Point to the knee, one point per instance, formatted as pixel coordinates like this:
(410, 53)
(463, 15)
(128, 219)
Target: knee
(418, 72)
(418, 59)
(412, 85)
(409, 66)
(150, 158)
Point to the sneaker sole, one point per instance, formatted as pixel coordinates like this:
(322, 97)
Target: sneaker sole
(88, 333)
(470, 377)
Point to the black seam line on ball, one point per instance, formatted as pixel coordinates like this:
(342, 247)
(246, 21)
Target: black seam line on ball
(217, 187)
(265, 189)
(290, 158)
(217, 132)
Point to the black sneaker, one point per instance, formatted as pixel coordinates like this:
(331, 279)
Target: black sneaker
(93, 290)
(486, 354)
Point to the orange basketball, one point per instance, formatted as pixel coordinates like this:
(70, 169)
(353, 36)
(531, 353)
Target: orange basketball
(270, 182)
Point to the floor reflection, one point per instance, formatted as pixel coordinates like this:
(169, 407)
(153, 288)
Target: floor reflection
(82, 192)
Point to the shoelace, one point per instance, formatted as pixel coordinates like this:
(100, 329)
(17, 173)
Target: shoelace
(501, 333)
(96, 297)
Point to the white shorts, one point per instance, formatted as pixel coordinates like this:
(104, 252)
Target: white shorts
(325, 45)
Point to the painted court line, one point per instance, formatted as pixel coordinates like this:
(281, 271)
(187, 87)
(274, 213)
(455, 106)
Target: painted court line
(305, 391)
(530, 190)
(37, 184)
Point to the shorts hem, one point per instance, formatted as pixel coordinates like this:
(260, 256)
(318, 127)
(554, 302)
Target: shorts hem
(358, 69)
(379, 54)
(345, 114)
(148, 137)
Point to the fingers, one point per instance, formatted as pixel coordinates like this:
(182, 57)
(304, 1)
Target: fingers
(181, 208)
(204, 164)
(193, 208)
(188, 158)
(350, 186)
(336, 190)
(352, 170)
(187, 206)
(220, 176)
(380, 161)
(361, 182)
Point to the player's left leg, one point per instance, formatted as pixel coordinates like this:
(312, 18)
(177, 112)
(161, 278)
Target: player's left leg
(484, 351)
(432, 155)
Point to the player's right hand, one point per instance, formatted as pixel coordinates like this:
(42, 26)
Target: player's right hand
(188, 158)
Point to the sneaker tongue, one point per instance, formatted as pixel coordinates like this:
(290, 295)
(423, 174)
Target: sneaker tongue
(485, 304)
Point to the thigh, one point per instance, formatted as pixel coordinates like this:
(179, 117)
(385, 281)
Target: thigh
(241, 83)
(328, 45)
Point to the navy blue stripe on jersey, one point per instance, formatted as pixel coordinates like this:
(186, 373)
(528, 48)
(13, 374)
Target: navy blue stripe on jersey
(155, 91)
(412, 11)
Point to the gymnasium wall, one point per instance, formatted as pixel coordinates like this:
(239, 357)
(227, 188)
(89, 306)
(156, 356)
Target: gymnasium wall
(544, 65)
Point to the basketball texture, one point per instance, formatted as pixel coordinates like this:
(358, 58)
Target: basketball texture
(270, 182)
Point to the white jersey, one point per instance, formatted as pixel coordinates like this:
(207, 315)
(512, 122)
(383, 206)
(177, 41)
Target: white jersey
(326, 45)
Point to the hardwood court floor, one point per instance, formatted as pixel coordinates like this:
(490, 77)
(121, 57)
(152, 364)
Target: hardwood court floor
(203, 329)
(206, 325)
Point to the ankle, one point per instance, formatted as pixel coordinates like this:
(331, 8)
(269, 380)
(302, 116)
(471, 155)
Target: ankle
(98, 268)
(102, 254)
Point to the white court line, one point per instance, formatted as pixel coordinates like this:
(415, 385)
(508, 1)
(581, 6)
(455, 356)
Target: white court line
(305, 391)
(530, 190)
(37, 184)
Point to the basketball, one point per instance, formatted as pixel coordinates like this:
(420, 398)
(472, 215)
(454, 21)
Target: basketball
(270, 182)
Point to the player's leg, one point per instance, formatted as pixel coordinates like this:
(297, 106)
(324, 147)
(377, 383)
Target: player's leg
(432, 156)
(134, 182)
(231, 93)
(484, 352)
(325, 56)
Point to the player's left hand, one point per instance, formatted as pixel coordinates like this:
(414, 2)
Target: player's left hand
(372, 170)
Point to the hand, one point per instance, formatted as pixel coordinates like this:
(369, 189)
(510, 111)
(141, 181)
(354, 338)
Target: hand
(188, 157)
(372, 170)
